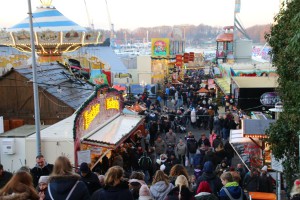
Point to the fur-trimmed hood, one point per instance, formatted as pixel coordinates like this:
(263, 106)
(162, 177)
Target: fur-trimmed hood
(16, 196)
(20, 192)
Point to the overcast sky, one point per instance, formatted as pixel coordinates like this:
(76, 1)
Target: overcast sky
(131, 14)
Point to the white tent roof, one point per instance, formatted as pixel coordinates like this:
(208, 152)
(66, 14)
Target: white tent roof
(114, 131)
(62, 130)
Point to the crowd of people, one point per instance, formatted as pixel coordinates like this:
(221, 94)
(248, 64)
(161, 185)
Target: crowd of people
(166, 163)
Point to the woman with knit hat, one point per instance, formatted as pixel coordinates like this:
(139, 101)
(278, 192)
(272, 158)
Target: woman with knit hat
(181, 190)
(204, 192)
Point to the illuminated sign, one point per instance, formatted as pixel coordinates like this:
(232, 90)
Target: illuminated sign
(112, 103)
(89, 116)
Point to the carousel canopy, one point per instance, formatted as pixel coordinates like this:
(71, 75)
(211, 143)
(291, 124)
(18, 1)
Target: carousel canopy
(47, 18)
(54, 34)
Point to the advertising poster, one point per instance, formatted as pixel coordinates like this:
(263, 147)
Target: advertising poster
(160, 47)
(97, 77)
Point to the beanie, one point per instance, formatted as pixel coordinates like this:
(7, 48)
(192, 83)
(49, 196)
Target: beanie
(44, 179)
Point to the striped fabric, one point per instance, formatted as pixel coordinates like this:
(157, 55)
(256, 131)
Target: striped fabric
(47, 18)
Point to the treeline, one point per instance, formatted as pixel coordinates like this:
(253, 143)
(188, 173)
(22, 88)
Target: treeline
(195, 35)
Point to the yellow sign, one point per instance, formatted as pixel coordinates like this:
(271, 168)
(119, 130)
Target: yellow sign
(112, 103)
(89, 116)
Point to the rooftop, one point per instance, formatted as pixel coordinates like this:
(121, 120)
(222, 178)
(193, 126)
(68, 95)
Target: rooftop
(256, 82)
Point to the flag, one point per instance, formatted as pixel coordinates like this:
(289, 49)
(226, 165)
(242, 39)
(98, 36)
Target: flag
(237, 6)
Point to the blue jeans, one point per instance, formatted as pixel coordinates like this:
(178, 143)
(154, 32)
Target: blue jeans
(191, 158)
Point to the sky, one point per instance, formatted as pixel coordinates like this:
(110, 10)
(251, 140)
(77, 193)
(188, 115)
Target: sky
(131, 14)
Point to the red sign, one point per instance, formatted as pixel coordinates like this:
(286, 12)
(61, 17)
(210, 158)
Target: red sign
(178, 60)
(186, 57)
(192, 56)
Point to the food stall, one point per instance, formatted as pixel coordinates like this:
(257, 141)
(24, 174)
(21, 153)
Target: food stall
(248, 142)
(100, 126)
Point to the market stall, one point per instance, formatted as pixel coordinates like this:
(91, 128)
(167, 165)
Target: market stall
(249, 144)
(100, 126)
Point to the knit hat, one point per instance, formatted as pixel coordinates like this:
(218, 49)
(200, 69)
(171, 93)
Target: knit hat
(208, 167)
(265, 168)
(144, 193)
(204, 187)
(44, 179)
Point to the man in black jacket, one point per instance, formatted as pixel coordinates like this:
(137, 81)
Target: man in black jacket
(42, 168)
(89, 178)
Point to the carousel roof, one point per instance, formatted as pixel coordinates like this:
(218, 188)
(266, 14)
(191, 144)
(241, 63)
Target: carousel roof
(47, 18)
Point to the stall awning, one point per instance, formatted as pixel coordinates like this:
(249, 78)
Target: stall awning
(224, 84)
(256, 82)
(248, 151)
(256, 127)
(115, 132)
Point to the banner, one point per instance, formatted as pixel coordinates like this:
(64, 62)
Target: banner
(160, 47)
(237, 6)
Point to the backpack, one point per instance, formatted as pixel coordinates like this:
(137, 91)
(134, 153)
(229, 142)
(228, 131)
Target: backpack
(192, 145)
(145, 162)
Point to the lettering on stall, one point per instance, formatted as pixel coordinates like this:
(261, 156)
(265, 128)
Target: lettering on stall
(112, 103)
(89, 116)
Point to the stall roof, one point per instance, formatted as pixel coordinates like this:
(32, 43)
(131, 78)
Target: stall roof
(116, 130)
(223, 84)
(60, 130)
(256, 126)
(74, 91)
(256, 82)
(23, 131)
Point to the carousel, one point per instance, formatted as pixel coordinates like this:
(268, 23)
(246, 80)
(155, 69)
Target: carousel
(54, 34)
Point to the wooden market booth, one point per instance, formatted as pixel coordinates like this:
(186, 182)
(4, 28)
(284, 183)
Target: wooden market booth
(100, 126)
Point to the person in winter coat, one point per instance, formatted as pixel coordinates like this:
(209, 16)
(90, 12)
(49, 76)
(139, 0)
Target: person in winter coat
(209, 176)
(192, 146)
(160, 186)
(19, 187)
(205, 192)
(114, 186)
(181, 151)
(64, 184)
(42, 168)
(176, 171)
(160, 146)
(295, 192)
(203, 140)
(231, 189)
(265, 181)
(170, 138)
(89, 178)
(181, 190)
(43, 186)
(251, 181)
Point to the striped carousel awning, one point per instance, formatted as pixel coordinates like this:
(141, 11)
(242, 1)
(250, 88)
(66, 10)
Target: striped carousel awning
(47, 18)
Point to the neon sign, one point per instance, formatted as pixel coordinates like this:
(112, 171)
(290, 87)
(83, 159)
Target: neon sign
(112, 103)
(89, 116)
